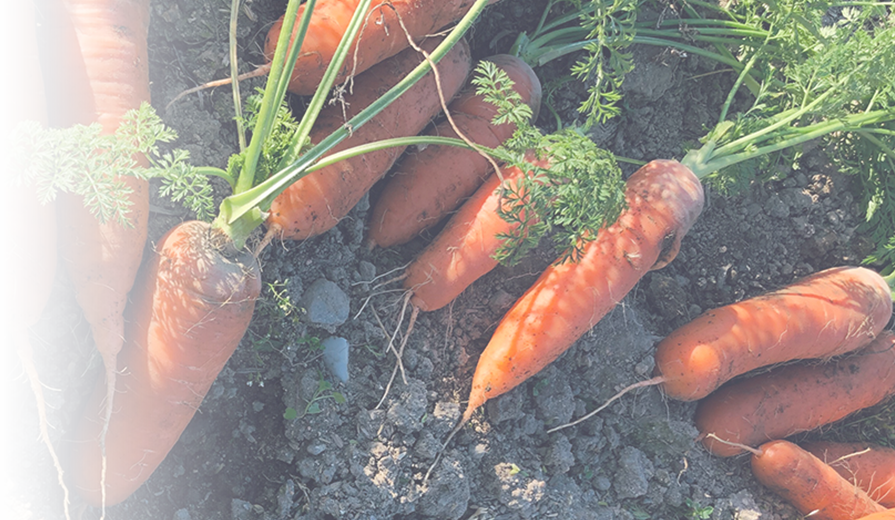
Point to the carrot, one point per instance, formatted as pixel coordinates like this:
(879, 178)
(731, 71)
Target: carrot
(823, 315)
(464, 250)
(420, 192)
(97, 73)
(315, 203)
(811, 486)
(382, 36)
(663, 199)
(869, 466)
(888, 514)
(190, 308)
(27, 228)
(795, 398)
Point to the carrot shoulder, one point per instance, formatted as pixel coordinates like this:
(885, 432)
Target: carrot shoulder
(315, 203)
(428, 184)
(663, 200)
(795, 398)
(382, 37)
(811, 486)
(826, 314)
(27, 228)
(191, 306)
(869, 466)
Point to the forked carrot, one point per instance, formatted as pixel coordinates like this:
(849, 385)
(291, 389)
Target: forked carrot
(823, 315)
(27, 228)
(99, 77)
(316, 203)
(796, 398)
(812, 487)
(190, 308)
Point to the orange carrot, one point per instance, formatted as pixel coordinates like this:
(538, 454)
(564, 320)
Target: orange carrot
(97, 72)
(382, 37)
(826, 314)
(869, 466)
(426, 185)
(811, 486)
(464, 250)
(27, 228)
(663, 200)
(315, 203)
(190, 308)
(888, 514)
(796, 398)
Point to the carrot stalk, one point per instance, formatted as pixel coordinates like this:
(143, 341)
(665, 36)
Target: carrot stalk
(105, 68)
(812, 487)
(797, 398)
(27, 228)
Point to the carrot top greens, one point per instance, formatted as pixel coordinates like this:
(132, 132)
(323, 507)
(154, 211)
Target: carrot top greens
(84, 161)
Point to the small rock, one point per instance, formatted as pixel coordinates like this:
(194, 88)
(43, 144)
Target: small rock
(335, 356)
(632, 476)
(326, 304)
(182, 514)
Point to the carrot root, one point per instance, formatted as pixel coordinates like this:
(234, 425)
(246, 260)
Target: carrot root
(25, 356)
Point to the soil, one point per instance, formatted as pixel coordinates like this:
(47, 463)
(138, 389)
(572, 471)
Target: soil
(346, 455)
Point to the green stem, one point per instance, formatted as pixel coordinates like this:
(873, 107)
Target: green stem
(241, 212)
(270, 103)
(234, 73)
(705, 160)
(211, 171)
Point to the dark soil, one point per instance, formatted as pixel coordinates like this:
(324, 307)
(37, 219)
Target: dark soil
(241, 459)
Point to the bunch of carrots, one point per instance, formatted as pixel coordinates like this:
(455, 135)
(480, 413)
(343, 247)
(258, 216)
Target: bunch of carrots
(166, 327)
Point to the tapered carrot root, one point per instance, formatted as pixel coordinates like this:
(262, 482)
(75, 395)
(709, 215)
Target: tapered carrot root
(823, 315)
(428, 184)
(869, 466)
(382, 37)
(315, 203)
(27, 229)
(811, 486)
(97, 67)
(663, 200)
(191, 306)
(796, 398)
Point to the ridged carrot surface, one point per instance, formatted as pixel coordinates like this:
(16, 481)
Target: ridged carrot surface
(871, 467)
(663, 200)
(797, 398)
(811, 486)
(823, 315)
(314, 204)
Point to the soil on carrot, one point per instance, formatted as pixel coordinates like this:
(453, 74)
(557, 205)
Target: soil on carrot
(280, 436)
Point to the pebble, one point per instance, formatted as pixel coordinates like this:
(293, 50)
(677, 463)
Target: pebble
(326, 303)
(335, 356)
